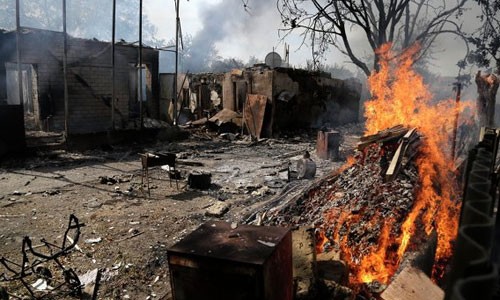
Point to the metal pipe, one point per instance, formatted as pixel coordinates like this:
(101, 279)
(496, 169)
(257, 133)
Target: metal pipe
(65, 70)
(455, 121)
(140, 66)
(177, 21)
(113, 74)
(18, 54)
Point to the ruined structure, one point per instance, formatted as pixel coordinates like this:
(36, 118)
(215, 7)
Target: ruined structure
(276, 99)
(89, 77)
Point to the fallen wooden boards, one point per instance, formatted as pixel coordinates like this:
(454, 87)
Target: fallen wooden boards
(405, 149)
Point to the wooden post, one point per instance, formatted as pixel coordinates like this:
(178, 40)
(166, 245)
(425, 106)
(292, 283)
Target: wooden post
(455, 121)
(65, 70)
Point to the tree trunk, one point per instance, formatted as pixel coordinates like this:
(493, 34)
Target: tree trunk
(487, 87)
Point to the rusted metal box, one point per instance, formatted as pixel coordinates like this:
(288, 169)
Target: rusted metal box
(219, 261)
(327, 144)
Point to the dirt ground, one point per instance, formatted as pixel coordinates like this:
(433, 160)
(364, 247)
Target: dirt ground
(127, 232)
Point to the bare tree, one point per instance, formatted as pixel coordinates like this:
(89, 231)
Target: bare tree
(487, 37)
(487, 87)
(402, 22)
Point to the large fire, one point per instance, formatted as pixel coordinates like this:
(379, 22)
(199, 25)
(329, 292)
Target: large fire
(399, 96)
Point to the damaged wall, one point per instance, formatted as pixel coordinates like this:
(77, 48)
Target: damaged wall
(305, 99)
(89, 80)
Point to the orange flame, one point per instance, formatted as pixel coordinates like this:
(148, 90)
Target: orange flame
(401, 97)
(374, 265)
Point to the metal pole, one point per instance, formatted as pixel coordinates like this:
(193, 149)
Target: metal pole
(65, 62)
(113, 74)
(140, 65)
(455, 125)
(18, 50)
(177, 21)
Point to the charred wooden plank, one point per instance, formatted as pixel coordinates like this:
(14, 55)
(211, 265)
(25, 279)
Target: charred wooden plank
(385, 136)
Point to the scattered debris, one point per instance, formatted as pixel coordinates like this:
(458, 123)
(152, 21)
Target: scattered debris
(217, 210)
(41, 285)
(107, 180)
(51, 192)
(93, 240)
(135, 233)
(153, 123)
(90, 282)
(30, 269)
(226, 116)
(113, 180)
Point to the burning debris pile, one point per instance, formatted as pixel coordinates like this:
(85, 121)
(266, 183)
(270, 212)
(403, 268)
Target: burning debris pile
(359, 212)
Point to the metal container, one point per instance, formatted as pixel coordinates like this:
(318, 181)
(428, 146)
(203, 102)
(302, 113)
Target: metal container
(221, 261)
(327, 144)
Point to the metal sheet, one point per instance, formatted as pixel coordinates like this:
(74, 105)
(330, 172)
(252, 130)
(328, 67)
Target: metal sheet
(254, 112)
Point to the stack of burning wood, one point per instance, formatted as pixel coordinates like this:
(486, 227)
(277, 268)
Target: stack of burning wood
(369, 197)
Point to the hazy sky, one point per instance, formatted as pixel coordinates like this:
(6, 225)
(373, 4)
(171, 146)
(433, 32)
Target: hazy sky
(255, 31)
(241, 33)
(251, 32)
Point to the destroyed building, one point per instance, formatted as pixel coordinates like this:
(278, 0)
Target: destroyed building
(274, 100)
(89, 82)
